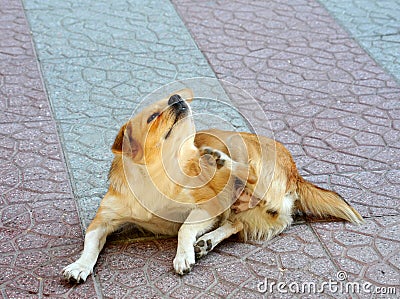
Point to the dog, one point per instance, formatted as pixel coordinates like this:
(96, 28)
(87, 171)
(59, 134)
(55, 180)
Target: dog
(199, 186)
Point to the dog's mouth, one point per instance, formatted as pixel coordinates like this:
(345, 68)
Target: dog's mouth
(178, 109)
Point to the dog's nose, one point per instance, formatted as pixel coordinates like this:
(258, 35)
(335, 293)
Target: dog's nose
(176, 98)
(177, 103)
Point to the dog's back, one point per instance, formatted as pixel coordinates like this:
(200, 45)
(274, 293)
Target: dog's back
(279, 187)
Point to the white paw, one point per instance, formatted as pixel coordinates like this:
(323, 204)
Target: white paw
(183, 262)
(77, 272)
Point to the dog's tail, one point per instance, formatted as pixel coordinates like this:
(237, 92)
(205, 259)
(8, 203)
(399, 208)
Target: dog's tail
(322, 203)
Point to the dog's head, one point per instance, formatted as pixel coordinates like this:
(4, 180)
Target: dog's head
(162, 130)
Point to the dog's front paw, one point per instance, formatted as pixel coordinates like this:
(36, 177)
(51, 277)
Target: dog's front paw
(214, 155)
(183, 263)
(76, 272)
(202, 247)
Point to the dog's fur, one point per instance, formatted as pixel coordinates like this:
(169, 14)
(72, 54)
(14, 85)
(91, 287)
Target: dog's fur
(169, 179)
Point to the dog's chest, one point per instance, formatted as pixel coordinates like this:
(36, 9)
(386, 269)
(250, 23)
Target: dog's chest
(159, 199)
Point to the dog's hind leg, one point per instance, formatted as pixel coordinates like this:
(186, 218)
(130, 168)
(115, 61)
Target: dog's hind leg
(243, 171)
(207, 242)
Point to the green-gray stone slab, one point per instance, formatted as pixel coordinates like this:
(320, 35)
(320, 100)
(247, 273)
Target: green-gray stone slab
(375, 25)
(385, 50)
(66, 29)
(112, 85)
(366, 18)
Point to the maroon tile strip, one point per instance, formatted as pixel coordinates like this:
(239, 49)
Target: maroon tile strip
(40, 229)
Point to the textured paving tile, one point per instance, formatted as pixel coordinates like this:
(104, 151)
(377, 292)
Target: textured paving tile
(39, 224)
(15, 40)
(385, 50)
(368, 253)
(32, 166)
(36, 274)
(366, 18)
(21, 93)
(92, 28)
(233, 270)
(104, 86)
(375, 25)
(282, 21)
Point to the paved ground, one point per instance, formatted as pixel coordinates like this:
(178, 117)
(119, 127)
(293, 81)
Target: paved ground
(325, 73)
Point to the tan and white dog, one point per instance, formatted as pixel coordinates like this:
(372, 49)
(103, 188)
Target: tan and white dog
(201, 186)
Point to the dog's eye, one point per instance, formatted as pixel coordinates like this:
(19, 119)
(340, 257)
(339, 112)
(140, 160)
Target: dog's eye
(152, 117)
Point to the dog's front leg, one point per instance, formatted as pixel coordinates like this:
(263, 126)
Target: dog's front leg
(207, 242)
(198, 222)
(96, 235)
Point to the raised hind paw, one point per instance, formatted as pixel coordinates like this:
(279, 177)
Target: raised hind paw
(215, 156)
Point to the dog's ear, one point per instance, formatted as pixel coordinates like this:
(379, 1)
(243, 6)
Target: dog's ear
(119, 140)
(126, 144)
(186, 94)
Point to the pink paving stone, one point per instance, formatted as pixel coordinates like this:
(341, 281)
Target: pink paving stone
(237, 249)
(27, 283)
(12, 292)
(84, 291)
(156, 269)
(203, 277)
(244, 293)
(185, 292)
(41, 168)
(145, 293)
(236, 273)
(22, 94)
(36, 210)
(121, 261)
(167, 282)
(8, 274)
(132, 278)
(142, 248)
(112, 290)
(222, 289)
(55, 286)
(15, 39)
(263, 270)
(363, 250)
(39, 231)
(32, 260)
(215, 259)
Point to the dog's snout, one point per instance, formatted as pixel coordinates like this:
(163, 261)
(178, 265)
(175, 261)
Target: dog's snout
(177, 103)
(176, 98)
